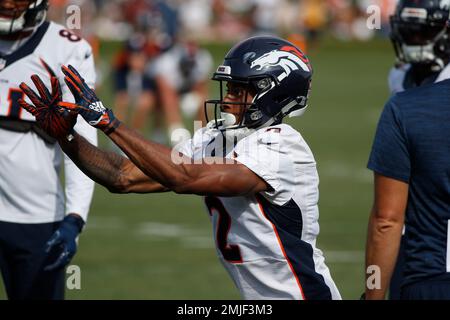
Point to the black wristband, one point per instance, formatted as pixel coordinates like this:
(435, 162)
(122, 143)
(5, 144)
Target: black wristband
(112, 126)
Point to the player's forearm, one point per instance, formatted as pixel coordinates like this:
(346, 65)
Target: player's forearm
(154, 159)
(383, 242)
(105, 168)
(180, 174)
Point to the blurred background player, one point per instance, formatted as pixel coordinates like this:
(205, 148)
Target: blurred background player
(314, 20)
(38, 223)
(132, 83)
(181, 75)
(153, 28)
(421, 40)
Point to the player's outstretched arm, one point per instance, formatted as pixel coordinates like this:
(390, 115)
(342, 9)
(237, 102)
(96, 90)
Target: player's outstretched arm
(183, 175)
(384, 233)
(115, 172)
(155, 160)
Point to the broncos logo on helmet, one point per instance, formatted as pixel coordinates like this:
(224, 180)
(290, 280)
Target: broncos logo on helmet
(285, 59)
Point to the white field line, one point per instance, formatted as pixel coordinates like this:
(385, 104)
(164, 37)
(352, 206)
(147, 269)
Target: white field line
(188, 237)
(342, 256)
(344, 171)
(105, 223)
(197, 238)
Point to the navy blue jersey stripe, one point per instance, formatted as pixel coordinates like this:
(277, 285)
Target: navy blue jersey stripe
(28, 48)
(287, 220)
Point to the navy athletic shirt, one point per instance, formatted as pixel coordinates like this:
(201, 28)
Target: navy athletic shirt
(412, 144)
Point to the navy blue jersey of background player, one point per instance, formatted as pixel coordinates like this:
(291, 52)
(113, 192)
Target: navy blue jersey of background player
(412, 144)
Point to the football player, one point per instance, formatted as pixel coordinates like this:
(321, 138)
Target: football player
(39, 224)
(257, 175)
(421, 40)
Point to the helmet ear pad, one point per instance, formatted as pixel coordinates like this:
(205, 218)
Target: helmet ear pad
(276, 102)
(263, 107)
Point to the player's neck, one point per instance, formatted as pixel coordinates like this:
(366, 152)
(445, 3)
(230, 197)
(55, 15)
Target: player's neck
(11, 43)
(15, 36)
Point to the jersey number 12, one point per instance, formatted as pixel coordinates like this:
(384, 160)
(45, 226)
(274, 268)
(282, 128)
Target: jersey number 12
(230, 252)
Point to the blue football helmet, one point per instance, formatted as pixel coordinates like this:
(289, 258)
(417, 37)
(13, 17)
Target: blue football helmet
(420, 32)
(276, 70)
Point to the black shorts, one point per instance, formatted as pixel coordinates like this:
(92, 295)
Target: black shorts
(22, 260)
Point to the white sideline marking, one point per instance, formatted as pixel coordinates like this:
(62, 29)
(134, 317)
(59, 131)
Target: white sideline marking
(344, 171)
(197, 238)
(162, 230)
(188, 237)
(199, 242)
(110, 223)
(344, 256)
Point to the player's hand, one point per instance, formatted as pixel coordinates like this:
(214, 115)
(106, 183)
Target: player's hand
(64, 242)
(56, 121)
(86, 102)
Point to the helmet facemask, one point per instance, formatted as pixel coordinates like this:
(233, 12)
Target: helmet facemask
(250, 115)
(217, 112)
(25, 17)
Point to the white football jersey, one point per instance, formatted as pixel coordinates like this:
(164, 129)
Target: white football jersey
(267, 241)
(30, 188)
(396, 78)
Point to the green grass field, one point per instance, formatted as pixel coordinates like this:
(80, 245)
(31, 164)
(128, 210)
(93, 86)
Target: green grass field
(161, 246)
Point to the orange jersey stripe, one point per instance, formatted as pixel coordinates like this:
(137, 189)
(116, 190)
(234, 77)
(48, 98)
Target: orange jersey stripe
(282, 249)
